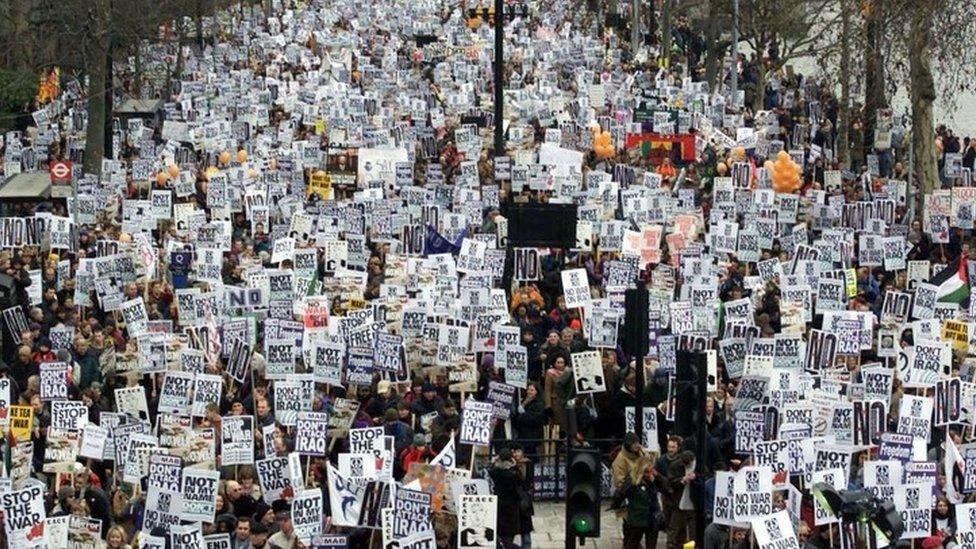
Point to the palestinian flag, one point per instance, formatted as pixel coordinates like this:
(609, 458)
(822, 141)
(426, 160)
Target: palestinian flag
(313, 286)
(953, 282)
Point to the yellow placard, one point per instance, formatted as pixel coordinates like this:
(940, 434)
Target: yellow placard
(21, 420)
(320, 183)
(956, 333)
(851, 278)
(320, 127)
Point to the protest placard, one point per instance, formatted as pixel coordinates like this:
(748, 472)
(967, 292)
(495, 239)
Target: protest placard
(411, 513)
(307, 514)
(54, 380)
(477, 521)
(588, 372)
(237, 440)
(24, 514)
(273, 478)
(69, 415)
(311, 433)
(476, 423)
(775, 531)
(200, 494)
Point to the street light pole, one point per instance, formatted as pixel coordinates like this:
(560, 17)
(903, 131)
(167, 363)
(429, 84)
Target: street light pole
(735, 50)
(635, 29)
(499, 77)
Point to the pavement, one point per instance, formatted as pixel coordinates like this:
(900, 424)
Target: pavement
(550, 521)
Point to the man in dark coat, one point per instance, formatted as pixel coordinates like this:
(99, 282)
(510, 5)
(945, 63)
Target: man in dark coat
(505, 478)
(428, 403)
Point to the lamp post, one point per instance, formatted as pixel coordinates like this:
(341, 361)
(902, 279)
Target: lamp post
(735, 50)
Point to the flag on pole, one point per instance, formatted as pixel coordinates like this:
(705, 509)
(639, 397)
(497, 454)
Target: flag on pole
(954, 468)
(446, 457)
(953, 282)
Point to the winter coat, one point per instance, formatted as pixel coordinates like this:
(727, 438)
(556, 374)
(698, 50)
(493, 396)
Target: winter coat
(531, 421)
(413, 455)
(643, 506)
(505, 479)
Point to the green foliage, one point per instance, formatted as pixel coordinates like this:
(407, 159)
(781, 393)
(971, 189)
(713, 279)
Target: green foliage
(17, 90)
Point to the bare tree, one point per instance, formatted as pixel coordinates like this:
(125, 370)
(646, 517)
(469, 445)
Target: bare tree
(844, 111)
(792, 28)
(875, 13)
(911, 59)
(96, 50)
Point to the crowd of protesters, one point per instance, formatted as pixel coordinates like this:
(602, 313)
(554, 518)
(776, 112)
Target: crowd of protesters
(655, 488)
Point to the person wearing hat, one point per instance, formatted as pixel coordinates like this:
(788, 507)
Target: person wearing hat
(418, 452)
(628, 465)
(401, 432)
(66, 501)
(43, 352)
(386, 397)
(259, 536)
(285, 537)
(428, 403)
(225, 523)
(446, 421)
(505, 477)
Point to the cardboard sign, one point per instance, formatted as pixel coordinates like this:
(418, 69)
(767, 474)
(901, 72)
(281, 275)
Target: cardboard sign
(476, 423)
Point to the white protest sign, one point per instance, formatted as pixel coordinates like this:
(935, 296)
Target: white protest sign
(477, 521)
(576, 287)
(588, 372)
(775, 531)
(307, 514)
(200, 494)
(24, 514)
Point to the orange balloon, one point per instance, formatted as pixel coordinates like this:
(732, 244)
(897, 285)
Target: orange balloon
(252, 173)
(722, 168)
(162, 178)
(273, 164)
(241, 156)
(225, 158)
(785, 173)
(174, 171)
(739, 153)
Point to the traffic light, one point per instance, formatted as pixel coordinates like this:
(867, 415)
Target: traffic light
(582, 493)
(690, 391)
